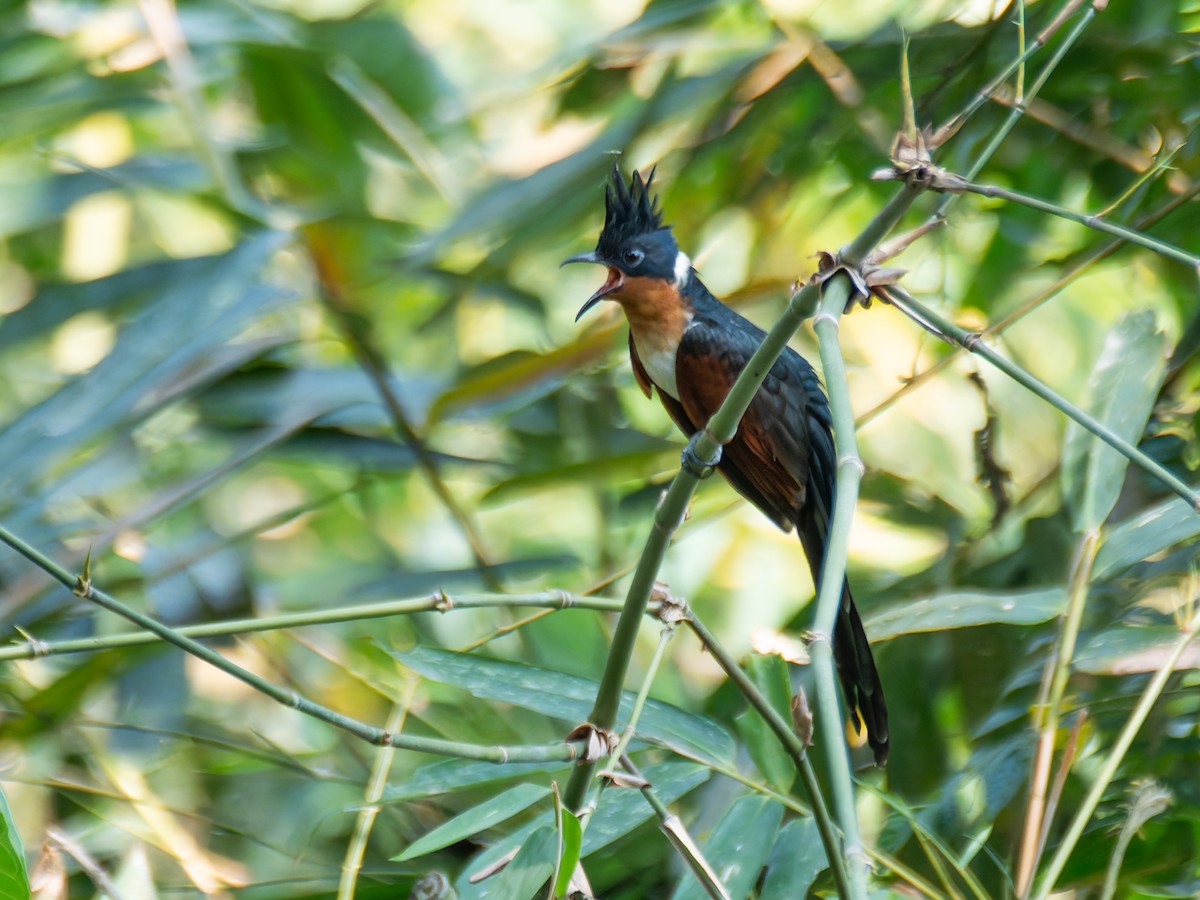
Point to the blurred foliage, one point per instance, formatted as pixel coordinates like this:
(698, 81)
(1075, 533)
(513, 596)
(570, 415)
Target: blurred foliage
(216, 216)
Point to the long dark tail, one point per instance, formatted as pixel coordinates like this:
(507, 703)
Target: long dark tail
(852, 654)
(860, 680)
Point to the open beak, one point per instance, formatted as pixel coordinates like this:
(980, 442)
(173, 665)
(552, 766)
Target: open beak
(611, 283)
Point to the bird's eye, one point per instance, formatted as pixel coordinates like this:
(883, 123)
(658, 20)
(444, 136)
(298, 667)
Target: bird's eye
(633, 256)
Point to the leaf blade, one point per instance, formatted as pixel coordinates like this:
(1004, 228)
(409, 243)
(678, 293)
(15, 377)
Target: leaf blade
(493, 811)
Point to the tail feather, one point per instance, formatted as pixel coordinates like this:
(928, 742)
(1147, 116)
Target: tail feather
(852, 653)
(860, 679)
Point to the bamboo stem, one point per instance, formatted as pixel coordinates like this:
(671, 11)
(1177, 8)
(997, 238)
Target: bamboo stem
(83, 587)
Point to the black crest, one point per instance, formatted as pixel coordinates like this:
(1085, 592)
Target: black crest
(629, 211)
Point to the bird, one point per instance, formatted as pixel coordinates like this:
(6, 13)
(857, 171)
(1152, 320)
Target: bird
(689, 347)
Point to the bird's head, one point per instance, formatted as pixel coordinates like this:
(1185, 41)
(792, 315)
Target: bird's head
(634, 244)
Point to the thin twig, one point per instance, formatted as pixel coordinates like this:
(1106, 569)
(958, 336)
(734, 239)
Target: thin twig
(630, 730)
(372, 796)
(1096, 223)
(1058, 667)
(972, 341)
(435, 602)
(1108, 769)
(82, 586)
(1092, 257)
(678, 835)
(983, 94)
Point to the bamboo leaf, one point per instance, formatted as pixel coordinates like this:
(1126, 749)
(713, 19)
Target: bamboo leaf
(449, 775)
(963, 609)
(530, 869)
(795, 862)
(479, 818)
(1122, 389)
(1128, 650)
(572, 846)
(566, 697)
(738, 847)
(624, 810)
(519, 377)
(770, 675)
(1142, 536)
(621, 812)
(14, 878)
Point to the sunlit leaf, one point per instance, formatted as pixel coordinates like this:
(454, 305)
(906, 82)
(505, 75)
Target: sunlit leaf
(519, 377)
(618, 467)
(1122, 390)
(1129, 649)
(963, 609)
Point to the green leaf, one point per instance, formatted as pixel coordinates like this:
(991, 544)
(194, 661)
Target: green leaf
(529, 870)
(1127, 650)
(1122, 390)
(14, 878)
(519, 377)
(566, 697)
(623, 810)
(963, 609)
(491, 812)
(770, 676)
(151, 351)
(568, 859)
(797, 858)
(738, 847)
(620, 812)
(1144, 535)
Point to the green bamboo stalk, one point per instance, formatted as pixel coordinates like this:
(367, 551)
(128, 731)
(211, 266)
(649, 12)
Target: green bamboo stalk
(1094, 222)
(1108, 769)
(82, 586)
(630, 730)
(31, 648)
(667, 518)
(972, 341)
(833, 574)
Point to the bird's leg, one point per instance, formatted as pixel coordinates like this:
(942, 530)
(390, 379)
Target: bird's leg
(692, 461)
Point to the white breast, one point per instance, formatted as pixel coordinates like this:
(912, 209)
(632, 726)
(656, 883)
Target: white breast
(659, 363)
